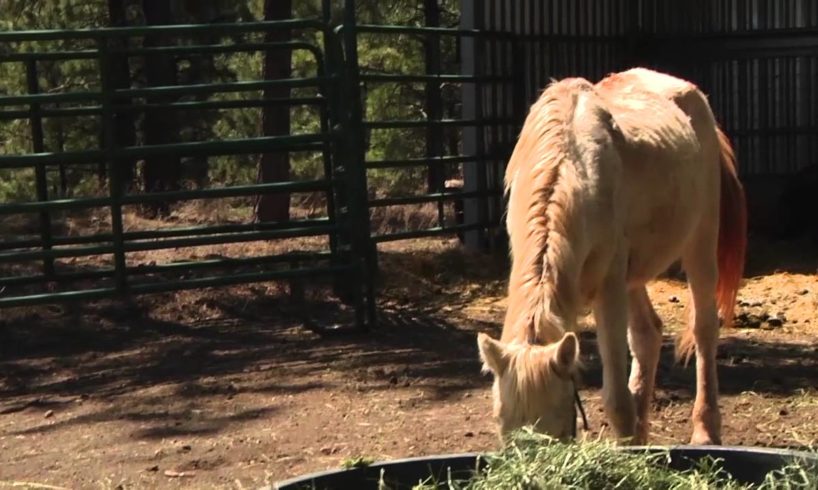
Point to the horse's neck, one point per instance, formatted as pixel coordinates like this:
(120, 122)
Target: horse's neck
(549, 317)
(552, 296)
(546, 206)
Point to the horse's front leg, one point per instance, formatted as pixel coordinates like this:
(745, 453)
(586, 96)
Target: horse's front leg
(611, 314)
(645, 337)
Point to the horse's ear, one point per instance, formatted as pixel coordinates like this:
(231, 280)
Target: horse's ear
(492, 353)
(566, 354)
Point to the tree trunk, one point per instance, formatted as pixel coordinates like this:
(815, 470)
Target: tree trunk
(162, 172)
(275, 119)
(124, 124)
(202, 70)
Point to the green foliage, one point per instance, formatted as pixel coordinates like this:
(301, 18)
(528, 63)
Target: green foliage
(398, 54)
(52, 14)
(60, 134)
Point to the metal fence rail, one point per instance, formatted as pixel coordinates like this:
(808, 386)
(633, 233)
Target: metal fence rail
(436, 158)
(56, 280)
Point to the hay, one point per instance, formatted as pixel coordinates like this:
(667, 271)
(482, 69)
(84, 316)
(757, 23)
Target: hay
(535, 462)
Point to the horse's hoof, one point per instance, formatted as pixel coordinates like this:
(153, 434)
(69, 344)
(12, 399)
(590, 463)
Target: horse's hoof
(639, 440)
(704, 439)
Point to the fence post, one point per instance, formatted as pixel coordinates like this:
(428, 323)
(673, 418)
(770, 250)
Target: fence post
(40, 171)
(328, 113)
(475, 209)
(115, 187)
(363, 248)
(434, 107)
(338, 171)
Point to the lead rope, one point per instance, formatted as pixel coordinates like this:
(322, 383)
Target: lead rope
(578, 403)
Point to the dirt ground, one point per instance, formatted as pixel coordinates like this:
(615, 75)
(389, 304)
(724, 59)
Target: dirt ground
(227, 389)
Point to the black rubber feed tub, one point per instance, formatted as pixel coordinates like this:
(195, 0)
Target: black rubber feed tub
(745, 464)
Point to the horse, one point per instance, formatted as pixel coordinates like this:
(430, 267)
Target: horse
(608, 185)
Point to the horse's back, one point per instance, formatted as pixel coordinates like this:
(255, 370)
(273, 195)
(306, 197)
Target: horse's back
(669, 151)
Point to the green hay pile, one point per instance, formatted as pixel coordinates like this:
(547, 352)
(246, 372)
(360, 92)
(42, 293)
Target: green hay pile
(533, 462)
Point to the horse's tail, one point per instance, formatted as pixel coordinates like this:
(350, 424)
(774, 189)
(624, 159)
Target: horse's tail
(732, 244)
(732, 232)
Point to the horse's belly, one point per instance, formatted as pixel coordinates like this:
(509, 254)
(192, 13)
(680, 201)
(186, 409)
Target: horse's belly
(665, 204)
(652, 252)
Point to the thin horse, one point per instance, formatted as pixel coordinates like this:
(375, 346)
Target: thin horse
(608, 185)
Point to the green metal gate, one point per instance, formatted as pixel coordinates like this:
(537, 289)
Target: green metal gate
(50, 262)
(482, 124)
(480, 135)
(40, 264)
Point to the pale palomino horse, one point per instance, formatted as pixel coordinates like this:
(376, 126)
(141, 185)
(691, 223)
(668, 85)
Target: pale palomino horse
(608, 186)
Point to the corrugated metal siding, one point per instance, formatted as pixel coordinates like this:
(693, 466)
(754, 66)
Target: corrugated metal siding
(766, 99)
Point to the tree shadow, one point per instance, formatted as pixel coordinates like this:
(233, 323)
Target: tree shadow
(240, 339)
(117, 357)
(162, 422)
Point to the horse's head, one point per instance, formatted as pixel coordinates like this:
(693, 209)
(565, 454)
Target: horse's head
(533, 384)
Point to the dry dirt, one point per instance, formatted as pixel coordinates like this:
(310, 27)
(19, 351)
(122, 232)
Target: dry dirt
(227, 389)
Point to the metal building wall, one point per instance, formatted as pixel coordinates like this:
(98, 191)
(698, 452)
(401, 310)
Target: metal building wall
(756, 59)
(547, 39)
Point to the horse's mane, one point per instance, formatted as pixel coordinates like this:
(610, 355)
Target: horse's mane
(539, 181)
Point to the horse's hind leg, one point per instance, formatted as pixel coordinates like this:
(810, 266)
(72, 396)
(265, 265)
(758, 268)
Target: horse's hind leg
(645, 338)
(701, 266)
